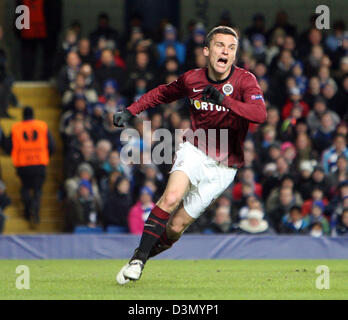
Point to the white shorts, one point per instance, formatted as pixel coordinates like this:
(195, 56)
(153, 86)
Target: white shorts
(209, 179)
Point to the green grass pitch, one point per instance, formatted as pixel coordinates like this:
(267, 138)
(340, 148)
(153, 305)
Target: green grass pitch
(175, 279)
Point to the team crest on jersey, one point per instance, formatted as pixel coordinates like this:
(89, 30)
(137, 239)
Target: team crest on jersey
(227, 89)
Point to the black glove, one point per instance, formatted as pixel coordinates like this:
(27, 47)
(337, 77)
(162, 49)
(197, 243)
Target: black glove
(211, 94)
(123, 117)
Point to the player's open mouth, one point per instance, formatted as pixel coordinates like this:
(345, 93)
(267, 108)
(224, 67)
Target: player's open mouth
(222, 62)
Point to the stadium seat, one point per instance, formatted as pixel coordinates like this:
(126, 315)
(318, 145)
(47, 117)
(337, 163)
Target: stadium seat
(116, 229)
(208, 231)
(88, 230)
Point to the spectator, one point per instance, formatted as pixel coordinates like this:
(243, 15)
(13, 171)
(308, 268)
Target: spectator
(275, 43)
(288, 151)
(295, 100)
(251, 202)
(87, 71)
(274, 152)
(69, 44)
(283, 23)
(273, 200)
(282, 169)
(221, 222)
(342, 128)
(341, 51)
(194, 45)
(323, 136)
(300, 79)
(251, 159)
(258, 47)
(319, 179)
(170, 40)
(141, 68)
(340, 175)
(329, 92)
(334, 39)
(280, 72)
(258, 26)
(108, 70)
(84, 51)
(294, 223)
(104, 31)
(330, 156)
(338, 202)
(304, 149)
(313, 91)
(68, 73)
(84, 173)
(324, 76)
(83, 208)
(311, 51)
(317, 194)
(79, 89)
(247, 175)
(117, 204)
(85, 153)
(314, 116)
(138, 43)
(342, 226)
(286, 201)
(341, 101)
(114, 164)
(316, 216)
(268, 139)
(253, 224)
(140, 211)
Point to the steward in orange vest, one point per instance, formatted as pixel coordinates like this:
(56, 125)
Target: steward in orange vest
(30, 145)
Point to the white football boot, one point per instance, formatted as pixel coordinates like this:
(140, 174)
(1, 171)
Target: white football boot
(120, 277)
(133, 270)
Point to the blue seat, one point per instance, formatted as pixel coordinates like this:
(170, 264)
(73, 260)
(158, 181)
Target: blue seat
(116, 229)
(208, 231)
(87, 230)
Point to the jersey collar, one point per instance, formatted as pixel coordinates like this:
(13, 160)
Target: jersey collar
(219, 81)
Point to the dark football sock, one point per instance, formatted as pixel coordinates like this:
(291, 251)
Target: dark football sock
(153, 229)
(162, 244)
(164, 239)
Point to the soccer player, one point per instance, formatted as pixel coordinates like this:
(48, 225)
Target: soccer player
(222, 96)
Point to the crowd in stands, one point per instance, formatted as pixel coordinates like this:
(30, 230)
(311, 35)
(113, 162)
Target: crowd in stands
(295, 177)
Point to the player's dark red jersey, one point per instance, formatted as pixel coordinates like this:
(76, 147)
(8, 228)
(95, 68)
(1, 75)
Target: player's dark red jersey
(243, 103)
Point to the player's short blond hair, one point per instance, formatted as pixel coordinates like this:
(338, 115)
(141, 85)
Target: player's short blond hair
(220, 29)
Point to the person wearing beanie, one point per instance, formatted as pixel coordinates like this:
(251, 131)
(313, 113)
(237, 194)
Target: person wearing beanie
(30, 145)
(170, 39)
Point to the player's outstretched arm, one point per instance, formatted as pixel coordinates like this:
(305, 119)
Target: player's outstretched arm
(164, 93)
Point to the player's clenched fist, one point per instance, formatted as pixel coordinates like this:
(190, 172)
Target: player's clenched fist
(211, 94)
(121, 118)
